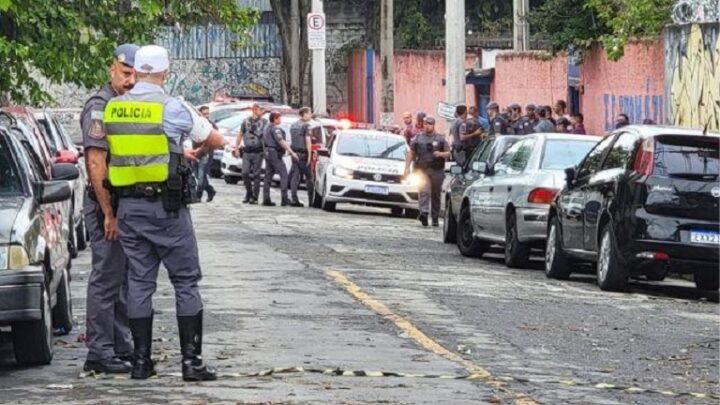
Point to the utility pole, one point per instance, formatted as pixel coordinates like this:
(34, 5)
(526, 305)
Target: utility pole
(387, 65)
(294, 92)
(318, 70)
(521, 28)
(455, 51)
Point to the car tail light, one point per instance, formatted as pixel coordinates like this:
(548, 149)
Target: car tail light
(660, 256)
(644, 160)
(542, 195)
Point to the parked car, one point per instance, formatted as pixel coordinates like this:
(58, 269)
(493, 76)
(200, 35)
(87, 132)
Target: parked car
(365, 167)
(644, 202)
(34, 257)
(461, 177)
(510, 205)
(65, 151)
(231, 166)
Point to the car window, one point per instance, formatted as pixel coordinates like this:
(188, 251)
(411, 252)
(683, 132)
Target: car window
(9, 176)
(49, 135)
(593, 160)
(675, 155)
(621, 151)
(479, 152)
(560, 154)
(501, 145)
(33, 163)
(516, 158)
(61, 135)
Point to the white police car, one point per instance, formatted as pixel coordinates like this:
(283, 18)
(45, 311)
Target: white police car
(365, 167)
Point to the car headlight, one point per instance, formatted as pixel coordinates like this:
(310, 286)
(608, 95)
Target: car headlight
(413, 180)
(13, 257)
(343, 172)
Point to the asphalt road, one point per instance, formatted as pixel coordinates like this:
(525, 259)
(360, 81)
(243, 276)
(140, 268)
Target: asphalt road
(357, 290)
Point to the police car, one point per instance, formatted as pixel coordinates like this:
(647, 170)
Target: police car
(365, 167)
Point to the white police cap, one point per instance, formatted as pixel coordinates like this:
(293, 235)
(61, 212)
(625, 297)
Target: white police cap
(152, 59)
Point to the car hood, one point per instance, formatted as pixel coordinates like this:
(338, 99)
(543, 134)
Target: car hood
(9, 209)
(369, 165)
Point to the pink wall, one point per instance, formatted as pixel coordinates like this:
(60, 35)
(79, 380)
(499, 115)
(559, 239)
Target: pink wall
(633, 85)
(529, 77)
(418, 84)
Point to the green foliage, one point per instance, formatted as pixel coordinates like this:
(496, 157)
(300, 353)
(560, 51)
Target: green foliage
(72, 41)
(419, 23)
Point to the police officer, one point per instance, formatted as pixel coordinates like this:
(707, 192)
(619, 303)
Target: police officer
(466, 135)
(428, 152)
(301, 144)
(275, 148)
(150, 176)
(250, 142)
(108, 334)
(515, 120)
(498, 124)
(528, 121)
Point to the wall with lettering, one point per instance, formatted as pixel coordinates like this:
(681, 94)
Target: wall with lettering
(692, 75)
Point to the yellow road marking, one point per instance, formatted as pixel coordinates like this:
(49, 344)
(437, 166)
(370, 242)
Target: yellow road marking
(476, 372)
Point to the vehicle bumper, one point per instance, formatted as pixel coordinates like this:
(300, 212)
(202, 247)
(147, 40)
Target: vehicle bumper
(231, 166)
(20, 294)
(353, 191)
(532, 223)
(684, 257)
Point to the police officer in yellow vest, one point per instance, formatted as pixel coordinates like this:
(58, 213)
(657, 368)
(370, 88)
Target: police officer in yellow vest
(149, 175)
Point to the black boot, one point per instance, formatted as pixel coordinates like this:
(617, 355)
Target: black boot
(141, 329)
(423, 219)
(268, 203)
(284, 202)
(193, 368)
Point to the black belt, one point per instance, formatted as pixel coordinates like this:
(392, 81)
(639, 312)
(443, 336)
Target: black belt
(148, 191)
(303, 151)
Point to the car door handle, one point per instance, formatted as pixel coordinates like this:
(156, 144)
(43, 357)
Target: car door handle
(509, 188)
(492, 189)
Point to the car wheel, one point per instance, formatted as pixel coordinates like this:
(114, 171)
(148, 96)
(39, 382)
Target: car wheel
(80, 236)
(517, 254)
(326, 205)
(467, 244)
(33, 340)
(396, 212)
(231, 179)
(557, 264)
(611, 272)
(412, 213)
(449, 225)
(62, 313)
(317, 199)
(707, 280)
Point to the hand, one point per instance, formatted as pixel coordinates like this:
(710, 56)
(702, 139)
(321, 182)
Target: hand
(438, 154)
(236, 152)
(191, 154)
(111, 228)
(294, 156)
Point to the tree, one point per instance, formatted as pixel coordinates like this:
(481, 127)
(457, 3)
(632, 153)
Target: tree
(72, 41)
(283, 11)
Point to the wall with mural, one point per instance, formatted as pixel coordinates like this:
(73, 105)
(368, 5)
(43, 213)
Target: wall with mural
(692, 75)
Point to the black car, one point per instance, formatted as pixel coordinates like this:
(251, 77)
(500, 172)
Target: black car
(487, 151)
(34, 256)
(643, 202)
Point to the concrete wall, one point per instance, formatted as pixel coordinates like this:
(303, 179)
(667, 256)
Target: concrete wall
(692, 75)
(633, 85)
(418, 84)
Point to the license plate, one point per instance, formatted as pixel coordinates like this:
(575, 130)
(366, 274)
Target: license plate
(382, 190)
(706, 237)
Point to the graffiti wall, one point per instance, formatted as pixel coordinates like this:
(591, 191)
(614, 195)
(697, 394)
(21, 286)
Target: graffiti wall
(692, 75)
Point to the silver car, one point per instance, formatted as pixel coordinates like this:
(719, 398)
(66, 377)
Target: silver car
(510, 204)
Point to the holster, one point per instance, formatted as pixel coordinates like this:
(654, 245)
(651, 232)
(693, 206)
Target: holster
(177, 188)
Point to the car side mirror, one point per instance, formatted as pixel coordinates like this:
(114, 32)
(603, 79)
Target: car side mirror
(48, 192)
(570, 174)
(64, 171)
(323, 152)
(480, 167)
(456, 170)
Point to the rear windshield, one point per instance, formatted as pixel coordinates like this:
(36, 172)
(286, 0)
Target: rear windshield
(687, 156)
(563, 153)
(9, 180)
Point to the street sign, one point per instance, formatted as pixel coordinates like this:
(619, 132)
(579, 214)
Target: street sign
(316, 31)
(446, 110)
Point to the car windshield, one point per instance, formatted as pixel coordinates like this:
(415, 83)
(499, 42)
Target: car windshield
(377, 146)
(233, 123)
(685, 156)
(9, 180)
(563, 153)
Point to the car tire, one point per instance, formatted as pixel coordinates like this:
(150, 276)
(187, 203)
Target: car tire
(33, 340)
(80, 235)
(328, 206)
(707, 281)
(411, 213)
(467, 244)
(517, 254)
(449, 225)
(396, 212)
(611, 272)
(317, 200)
(231, 179)
(557, 263)
(62, 313)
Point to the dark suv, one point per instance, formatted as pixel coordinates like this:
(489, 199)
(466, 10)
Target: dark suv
(644, 202)
(462, 177)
